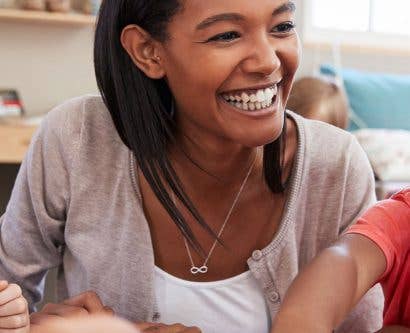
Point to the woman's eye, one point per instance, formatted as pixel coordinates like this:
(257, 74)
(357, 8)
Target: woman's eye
(224, 37)
(284, 28)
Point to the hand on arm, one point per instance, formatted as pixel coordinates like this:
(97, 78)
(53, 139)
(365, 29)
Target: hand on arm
(85, 304)
(87, 313)
(104, 324)
(89, 324)
(14, 315)
(330, 286)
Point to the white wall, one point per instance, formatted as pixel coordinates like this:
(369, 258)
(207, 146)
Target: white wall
(376, 61)
(365, 60)
(46, 63)
(49, 63)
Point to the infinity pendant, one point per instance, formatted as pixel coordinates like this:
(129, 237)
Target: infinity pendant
(195, 270)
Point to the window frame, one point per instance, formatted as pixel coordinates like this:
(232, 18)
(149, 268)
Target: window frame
(369, 39)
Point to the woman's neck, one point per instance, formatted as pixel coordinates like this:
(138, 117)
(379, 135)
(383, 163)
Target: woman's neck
(210, 164)
(203, 165)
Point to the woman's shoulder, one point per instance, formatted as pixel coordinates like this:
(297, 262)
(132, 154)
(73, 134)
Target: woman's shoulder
(82, 110)
(320, 130)
(79, 118)
(325, 143)
(80, 129)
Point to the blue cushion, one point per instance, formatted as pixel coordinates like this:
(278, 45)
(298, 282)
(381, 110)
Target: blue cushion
(380, 100)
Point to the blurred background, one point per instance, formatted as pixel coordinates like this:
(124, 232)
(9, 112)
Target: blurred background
(360, 47)
(45, 58)
(363, 48)
(373, 35)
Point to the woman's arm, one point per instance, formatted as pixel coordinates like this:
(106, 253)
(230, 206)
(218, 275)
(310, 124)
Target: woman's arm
(330, 286)
(32, 228)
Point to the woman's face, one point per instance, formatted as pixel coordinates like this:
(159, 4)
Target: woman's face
(230, 65)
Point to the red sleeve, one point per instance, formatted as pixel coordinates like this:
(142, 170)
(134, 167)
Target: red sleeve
(388, 225)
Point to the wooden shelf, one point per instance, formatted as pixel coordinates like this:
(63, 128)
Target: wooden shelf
(20, 15)
(14, 142)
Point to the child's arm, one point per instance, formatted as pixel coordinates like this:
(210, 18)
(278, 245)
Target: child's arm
(14, 315)
(329, 287)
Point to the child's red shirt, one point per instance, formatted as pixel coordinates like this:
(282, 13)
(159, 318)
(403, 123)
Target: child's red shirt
(388, 225)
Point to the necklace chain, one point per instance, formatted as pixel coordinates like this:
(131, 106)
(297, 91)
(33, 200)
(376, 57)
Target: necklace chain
(204, 268)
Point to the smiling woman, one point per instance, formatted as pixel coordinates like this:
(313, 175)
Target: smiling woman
(188, 173)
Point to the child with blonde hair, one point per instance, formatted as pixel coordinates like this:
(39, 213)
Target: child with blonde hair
(320, 99)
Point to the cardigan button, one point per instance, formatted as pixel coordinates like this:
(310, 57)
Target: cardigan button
(257, 255)
(274, 297)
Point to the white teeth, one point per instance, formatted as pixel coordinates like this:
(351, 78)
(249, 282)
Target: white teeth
(253, 98)
(261, 99)
(269, 94)
(260, 96)
(245, 97)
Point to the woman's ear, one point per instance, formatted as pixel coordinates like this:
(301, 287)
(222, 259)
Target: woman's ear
(143, 50)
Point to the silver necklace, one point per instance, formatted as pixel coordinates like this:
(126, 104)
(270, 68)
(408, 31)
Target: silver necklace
(204, 268)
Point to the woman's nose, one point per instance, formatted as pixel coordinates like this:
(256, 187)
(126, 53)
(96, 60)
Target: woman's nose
(263, 57)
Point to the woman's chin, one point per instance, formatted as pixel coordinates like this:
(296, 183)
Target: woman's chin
(260, 138)
(263, 134)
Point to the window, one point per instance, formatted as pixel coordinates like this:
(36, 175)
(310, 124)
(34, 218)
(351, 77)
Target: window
(362, 22)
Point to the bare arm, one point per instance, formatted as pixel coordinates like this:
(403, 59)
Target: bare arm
(330, 286)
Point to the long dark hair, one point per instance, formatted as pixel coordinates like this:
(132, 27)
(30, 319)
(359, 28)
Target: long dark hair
(141, 107)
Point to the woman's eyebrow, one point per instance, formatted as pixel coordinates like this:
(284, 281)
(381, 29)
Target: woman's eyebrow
(286, 7)
(218, 18)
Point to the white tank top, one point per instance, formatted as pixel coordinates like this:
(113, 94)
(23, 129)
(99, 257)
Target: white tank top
(234, 305)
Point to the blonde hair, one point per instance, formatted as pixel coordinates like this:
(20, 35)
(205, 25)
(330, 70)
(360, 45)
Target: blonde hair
(319, 99)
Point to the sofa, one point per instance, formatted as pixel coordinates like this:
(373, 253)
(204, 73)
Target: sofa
(380, 120)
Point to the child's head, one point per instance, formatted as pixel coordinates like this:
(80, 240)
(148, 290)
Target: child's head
(319, 99)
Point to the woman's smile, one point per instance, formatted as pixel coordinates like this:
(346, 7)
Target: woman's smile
(254, 101)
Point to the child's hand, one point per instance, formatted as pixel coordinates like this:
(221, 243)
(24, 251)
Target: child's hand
(14, 315)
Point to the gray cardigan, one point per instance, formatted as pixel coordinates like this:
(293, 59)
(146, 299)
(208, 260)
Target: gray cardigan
(76, 205)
